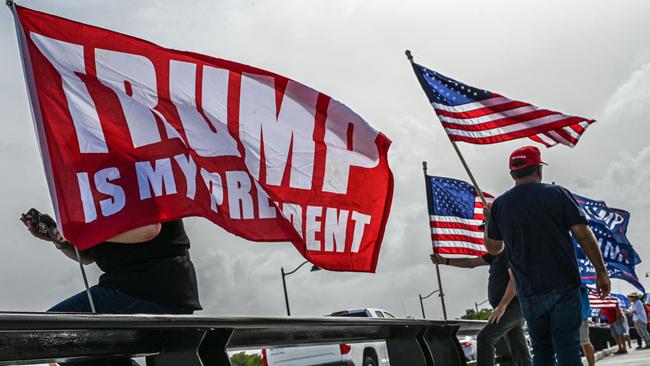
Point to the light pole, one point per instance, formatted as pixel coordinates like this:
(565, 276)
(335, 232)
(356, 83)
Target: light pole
(284, 283)
(422, 304)
(477, 305)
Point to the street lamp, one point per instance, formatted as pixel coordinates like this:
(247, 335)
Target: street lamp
(284, 283)
(477, 305)
(422, 304)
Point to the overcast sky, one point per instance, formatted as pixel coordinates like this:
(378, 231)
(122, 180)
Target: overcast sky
(588, 58)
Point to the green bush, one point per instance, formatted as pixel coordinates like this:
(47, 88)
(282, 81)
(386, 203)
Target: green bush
(483, 314)
(242, 359)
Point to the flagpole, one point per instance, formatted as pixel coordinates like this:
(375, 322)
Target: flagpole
(469, 172)
(441, 293)
(83, 274)
(22, 47)
(409, 56)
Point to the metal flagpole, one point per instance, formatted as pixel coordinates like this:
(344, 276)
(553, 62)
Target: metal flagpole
(83, 274)
(442, 294)
(22, 47)
(469, 172)
(409, 56)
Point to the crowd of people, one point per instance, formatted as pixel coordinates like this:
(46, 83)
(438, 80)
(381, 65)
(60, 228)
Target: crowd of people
(534, 276)
(620, 321)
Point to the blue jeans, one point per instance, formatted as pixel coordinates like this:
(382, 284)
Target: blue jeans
(510, 327)
(111, 301)
(554, 327)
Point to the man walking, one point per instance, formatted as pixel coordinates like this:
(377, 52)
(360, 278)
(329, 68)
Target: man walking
(640, 318)
(535, 219)
(506, 320)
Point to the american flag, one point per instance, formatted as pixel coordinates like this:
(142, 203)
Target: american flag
(596, 302)
(455, 213)
(479, 116)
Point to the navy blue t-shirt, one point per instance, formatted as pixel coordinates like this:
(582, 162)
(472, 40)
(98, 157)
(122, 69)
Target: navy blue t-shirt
(499, 277)
(533, 219)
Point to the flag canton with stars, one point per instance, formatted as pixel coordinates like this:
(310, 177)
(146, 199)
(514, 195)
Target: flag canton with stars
(444, 90)
(600, 231)
(587, 203)
(451, 197)
(601, 216)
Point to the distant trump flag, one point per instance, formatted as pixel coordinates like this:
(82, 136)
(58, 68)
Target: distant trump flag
(479, 116)
(456, 216)
(132, 133)
(609, 226)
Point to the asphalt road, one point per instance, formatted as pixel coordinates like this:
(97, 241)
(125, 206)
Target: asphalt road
(633, 358)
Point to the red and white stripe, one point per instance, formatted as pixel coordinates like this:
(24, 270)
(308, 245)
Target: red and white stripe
(596, 302)
(457, 235)
(499, 119)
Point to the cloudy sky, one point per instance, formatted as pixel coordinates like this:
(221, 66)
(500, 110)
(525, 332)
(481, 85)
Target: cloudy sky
(588, 57)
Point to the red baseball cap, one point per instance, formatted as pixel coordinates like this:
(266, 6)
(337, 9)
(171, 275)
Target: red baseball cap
(524, 157)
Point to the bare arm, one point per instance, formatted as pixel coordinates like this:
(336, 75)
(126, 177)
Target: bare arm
(589, 245)
(493, 246)
(137, 235)
(68, 250)
(505, 300)
(510, 290)
(458, 262)
(63, 245)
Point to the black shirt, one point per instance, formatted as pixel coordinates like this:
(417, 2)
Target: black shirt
(159, 270)
(534, 219)
(499, 277)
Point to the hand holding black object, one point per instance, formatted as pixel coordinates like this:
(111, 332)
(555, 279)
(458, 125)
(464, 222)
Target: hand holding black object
(42, 226)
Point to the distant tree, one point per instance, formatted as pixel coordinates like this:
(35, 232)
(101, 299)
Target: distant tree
(242, 359)
(470, 314)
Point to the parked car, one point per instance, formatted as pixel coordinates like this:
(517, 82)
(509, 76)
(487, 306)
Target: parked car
(344, 354)
(468, 343)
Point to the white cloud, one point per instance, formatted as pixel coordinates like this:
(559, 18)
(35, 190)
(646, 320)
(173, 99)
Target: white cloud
(620, 167)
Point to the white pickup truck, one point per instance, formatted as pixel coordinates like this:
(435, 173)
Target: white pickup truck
(345, 354)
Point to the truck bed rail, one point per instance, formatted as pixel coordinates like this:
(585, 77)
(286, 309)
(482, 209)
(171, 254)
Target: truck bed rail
(202, 341)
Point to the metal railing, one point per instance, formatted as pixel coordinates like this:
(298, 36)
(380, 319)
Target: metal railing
(202, 341)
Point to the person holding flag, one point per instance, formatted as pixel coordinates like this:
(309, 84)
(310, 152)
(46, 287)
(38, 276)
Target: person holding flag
(532, 222)
(456, 219)
(506, 320)
(147, 270)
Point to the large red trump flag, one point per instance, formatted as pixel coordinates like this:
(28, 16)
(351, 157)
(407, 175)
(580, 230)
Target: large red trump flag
(132, 133)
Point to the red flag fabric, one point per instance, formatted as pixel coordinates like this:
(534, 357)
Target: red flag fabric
(132, 133)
